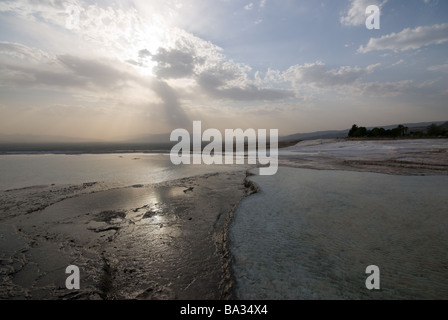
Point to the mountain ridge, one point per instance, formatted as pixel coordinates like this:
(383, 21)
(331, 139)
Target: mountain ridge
(165, 138)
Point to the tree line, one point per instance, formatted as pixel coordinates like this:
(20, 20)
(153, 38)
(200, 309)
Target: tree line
(433, 130)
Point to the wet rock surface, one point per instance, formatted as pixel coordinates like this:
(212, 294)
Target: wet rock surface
(163, 241)
(310, 234)
(400, 157)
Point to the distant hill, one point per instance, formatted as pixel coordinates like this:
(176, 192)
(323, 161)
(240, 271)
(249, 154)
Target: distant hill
(445, 125)
(334, 134)
(29, 138)
(149, 138)
(159, 141)
(422, 127)
(58, 144)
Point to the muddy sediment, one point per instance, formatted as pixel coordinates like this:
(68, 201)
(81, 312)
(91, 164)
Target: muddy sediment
(163, 241)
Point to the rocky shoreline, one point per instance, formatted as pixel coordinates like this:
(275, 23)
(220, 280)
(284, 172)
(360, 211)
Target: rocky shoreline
(164, 241)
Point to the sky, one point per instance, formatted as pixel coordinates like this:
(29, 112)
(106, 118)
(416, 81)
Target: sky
(114, 70)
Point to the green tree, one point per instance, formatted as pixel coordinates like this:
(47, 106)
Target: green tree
(362, 132)
(402, 130)
(352, 131)
(434, 130)
(375, 132)
(357, 132)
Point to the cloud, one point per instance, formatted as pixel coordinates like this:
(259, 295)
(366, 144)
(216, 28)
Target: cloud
(211, 72)
(431, 3)
(314, 79)
(96, 72)
(250, 6)
(144, 53)
(51, 11)
(183, 56)
(398, 63)
(318, 75)
(441, 68)
(32, 76)
(409, 39)
(22, 52)
(232, 84)
(174, 114)
(211, 85)
(356, 14)
(345, 80)
(92, 79)
(385, 89)
(107, 83)
(36, 68)
(116, 30)
(174, 64)
(132, 59)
